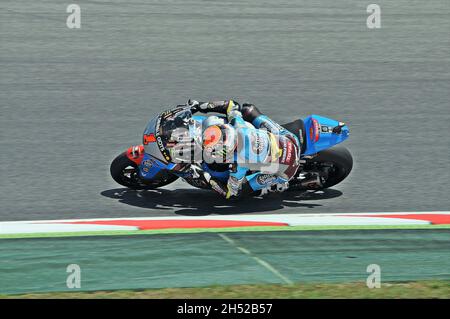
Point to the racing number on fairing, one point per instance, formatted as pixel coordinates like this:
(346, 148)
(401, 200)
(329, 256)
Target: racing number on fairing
(149, 138)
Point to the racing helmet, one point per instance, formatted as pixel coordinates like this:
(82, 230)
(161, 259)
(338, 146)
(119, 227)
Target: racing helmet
(219, 143)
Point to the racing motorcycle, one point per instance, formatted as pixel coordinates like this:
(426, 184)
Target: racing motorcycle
(149, 165)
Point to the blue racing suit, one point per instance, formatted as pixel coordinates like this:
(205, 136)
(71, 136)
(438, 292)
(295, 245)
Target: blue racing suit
(266, 155)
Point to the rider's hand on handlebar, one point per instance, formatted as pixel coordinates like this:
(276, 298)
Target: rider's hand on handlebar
(198, 106)
(233, 110)
(192, 103)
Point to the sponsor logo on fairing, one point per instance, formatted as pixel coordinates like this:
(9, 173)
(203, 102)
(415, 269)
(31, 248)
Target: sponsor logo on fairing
(289, 152)
(148, 163)
(170, 113)
(265, 179)
(159, 141)
(314, 130)
(160, 144)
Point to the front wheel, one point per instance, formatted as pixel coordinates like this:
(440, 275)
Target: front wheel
(126, 173)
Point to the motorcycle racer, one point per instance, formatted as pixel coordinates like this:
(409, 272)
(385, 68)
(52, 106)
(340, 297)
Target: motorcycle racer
(260, 154)
(239, 151)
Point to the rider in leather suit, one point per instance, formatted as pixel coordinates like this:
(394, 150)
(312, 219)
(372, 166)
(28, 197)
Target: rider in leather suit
(270, 160)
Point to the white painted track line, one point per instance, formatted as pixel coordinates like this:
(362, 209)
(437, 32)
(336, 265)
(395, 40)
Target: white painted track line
(260, 261)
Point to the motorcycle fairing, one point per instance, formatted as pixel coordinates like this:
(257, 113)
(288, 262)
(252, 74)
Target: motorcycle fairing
(150, 166)
(321, 133)
(220, 175)
(152, 142)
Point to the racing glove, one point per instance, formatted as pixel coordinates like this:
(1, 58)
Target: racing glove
(223, 107)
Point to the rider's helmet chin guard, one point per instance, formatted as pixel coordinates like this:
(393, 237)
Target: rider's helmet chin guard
(219, 143)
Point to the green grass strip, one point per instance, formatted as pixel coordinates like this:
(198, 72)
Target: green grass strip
(418, 289)
(218, 230)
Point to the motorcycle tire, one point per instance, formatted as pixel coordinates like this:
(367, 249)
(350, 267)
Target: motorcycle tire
(125, 172)
(341, 160)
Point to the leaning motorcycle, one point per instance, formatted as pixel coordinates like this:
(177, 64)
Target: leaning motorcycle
(149, 166)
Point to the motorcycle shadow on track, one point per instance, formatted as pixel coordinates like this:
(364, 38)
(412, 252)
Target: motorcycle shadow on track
(197, 202)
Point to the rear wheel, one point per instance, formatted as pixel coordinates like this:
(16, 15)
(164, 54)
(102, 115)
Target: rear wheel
(332, 165)
(126, 173)
(336, 163)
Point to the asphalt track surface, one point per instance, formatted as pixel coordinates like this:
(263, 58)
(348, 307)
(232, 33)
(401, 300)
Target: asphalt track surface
(71, 100)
